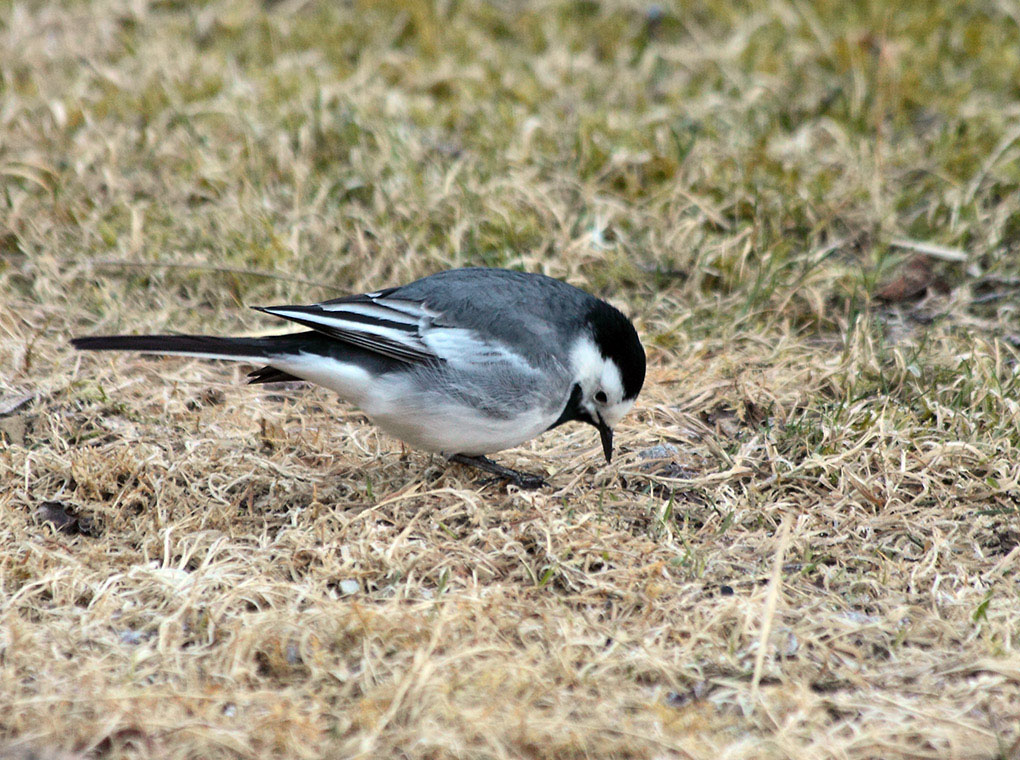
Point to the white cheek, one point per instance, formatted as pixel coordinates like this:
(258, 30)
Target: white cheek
(586, 364)
(613, 414)
(594, 372)
(612, 383)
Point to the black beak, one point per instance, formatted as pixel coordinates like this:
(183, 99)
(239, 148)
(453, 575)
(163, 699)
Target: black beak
(606, 434)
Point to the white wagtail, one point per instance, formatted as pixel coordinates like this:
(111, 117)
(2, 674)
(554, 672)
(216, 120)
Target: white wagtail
(465, 362)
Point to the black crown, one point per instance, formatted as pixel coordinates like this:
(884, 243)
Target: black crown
(618, 340)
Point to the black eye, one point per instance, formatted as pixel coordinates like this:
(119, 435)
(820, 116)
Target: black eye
(601, 397)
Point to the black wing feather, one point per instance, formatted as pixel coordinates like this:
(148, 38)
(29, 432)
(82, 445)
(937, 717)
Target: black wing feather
(332, 321)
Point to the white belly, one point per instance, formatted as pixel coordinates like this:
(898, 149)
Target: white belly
(460, 431)
(425, 419)
(436, 422)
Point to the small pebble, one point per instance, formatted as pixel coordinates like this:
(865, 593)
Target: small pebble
(791, 646)
(662, 451)
(130, 637)
(173, 576)
(860, 618)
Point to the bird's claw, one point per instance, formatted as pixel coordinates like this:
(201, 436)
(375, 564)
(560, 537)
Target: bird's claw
(523, 480)
(528, 482)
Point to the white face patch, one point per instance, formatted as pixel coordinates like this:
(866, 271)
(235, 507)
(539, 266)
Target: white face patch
(595, 373)
(586, 364)
(612, 383)
(613, 413)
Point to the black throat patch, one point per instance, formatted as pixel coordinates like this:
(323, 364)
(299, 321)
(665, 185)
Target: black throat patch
(573, 411)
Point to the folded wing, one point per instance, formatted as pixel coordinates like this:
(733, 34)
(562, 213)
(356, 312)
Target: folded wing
(391, 327)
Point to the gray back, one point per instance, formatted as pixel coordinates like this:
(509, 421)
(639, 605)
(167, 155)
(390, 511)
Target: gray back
(532, 313)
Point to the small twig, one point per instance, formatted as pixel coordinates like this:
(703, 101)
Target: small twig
(988, 298)
(1003, 563)
(769, 612)
(120, 263)
(930, 249)
(11, 405)
(990, 162)
(998, 279)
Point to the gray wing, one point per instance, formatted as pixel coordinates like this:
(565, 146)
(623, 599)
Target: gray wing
(463, 316)
(531, 314)
(391, 327)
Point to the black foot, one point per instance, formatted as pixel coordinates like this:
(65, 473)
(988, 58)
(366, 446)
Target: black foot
(523, 480)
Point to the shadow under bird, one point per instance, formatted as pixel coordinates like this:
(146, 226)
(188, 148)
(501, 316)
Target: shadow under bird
(465, 362)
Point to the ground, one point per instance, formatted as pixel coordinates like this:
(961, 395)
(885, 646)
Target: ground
(807, 545)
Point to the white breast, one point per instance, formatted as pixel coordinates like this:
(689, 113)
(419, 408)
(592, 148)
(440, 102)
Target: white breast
(439, 422)
(425, 413)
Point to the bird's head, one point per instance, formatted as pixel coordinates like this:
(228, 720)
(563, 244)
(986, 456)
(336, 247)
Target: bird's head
(608, 364)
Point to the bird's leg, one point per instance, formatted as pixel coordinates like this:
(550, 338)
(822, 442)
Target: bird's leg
(520, 479)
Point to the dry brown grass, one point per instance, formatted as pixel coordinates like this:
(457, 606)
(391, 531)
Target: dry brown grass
(808, 545)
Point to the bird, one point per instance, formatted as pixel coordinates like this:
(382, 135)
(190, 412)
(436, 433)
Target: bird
(464, 362)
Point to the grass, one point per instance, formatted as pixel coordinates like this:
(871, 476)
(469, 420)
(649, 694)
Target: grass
(808, 544)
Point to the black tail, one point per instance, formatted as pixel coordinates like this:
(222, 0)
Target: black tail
(254, 350)
(202, 345)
